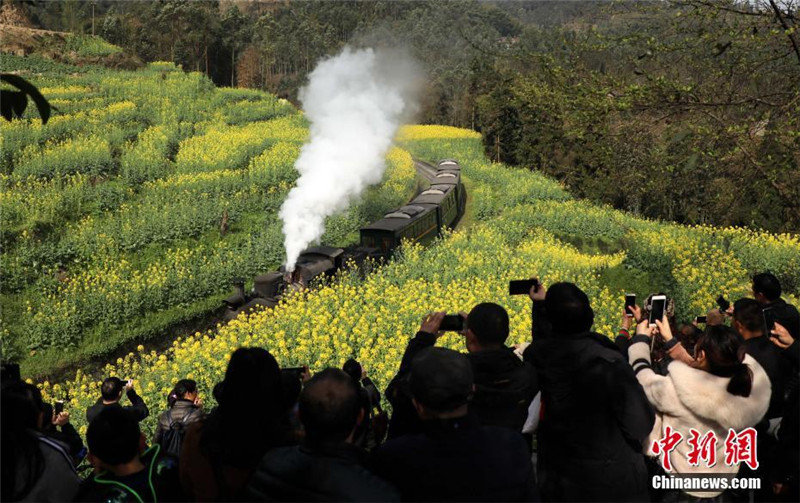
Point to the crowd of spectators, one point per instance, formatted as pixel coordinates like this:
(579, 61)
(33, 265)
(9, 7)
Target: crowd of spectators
(572, 415)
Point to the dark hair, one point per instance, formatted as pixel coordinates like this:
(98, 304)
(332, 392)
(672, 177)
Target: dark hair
(111, 388)
(489, 323)
(568, 309)
(329, 406)
(724, 354)
(113, 436)
(180, 390)
(688, 336)
(749, 313)
(768, 284)
(22, 461)
(251, 391)
(352, 368)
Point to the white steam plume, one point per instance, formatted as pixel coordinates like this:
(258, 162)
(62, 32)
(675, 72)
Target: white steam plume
(355, 103)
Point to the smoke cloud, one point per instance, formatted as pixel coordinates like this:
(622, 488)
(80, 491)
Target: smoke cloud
(355, 103)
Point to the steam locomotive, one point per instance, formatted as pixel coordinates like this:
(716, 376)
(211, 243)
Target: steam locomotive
(439, 206)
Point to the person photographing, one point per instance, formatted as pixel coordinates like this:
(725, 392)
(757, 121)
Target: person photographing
(111, 392)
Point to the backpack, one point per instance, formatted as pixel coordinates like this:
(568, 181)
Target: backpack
(172, 439)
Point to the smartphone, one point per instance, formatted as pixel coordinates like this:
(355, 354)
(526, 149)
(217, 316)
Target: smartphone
(58, 407)
(630, 301)
(723, 303)
(521, 286)
(452, 323)
(657, 305)
(769, 321)
(700, 319)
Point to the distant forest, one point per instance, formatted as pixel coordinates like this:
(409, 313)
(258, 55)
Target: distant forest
(686, 110)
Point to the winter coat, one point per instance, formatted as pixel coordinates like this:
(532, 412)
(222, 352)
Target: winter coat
(787, 315)
(157, 482)
(786, 459)
(58, 480)
(182, 411)
(137, 407)
(317, 473)
(690, 398)
(458, 460)
(504, 388)
(595, 418)
(778, 366)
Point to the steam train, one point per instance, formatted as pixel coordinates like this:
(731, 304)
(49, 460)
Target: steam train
(439, 206)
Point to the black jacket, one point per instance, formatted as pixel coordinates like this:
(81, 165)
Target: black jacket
(778, 366)
(160, 475)
(458, 460)
(504, 388)
(787, 315)
(786, 460)
(137, 407)
(182, 411)
(321, 473)
(70, 437)
(595, 419)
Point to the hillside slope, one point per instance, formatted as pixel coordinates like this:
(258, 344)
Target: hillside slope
(131, 212)
(523, 224)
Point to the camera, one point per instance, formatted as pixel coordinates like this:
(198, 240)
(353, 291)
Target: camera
(723, 303)
(522, 286)
(452, 323)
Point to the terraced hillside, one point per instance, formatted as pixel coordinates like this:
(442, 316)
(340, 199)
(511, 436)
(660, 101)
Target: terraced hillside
(131, 212)
(519, 224)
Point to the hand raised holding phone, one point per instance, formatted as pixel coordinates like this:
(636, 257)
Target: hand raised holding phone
(780, 336)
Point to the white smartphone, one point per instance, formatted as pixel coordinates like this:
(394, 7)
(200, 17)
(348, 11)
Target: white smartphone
(657, 305)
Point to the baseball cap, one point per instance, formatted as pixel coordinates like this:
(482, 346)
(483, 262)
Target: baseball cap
(441, 379)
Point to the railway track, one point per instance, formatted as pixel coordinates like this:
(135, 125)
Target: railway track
(428, 171)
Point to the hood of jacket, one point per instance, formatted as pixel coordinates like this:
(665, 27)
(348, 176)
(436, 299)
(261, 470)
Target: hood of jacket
(706, 395)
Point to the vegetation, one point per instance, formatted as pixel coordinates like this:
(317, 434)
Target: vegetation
(525, 226)
(112, 212)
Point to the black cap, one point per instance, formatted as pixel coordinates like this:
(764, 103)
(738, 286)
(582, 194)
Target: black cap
(441, 379)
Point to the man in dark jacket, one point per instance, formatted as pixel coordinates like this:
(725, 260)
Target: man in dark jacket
(785, 459)
(504, 385)
(767, 291)
(111, 393)
(595, 414)
(749, 323)
(121, 473)
(327, 466)
(455, 458)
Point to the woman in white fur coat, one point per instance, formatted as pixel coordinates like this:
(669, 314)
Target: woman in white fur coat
(721, 388)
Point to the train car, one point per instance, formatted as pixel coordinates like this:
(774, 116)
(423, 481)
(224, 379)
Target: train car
(425, 216)
(416, 222)
(421, 220)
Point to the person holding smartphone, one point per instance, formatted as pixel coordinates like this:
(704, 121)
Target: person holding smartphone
(111, 392)
(767, 291)
(59, 428)
(595, 416)
(722, 388)
(504, 384)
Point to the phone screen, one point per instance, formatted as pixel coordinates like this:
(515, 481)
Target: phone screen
(657, 309)
(700, 319)
(452, 323)
(630, 301)
(58, 407)
(521, 286)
